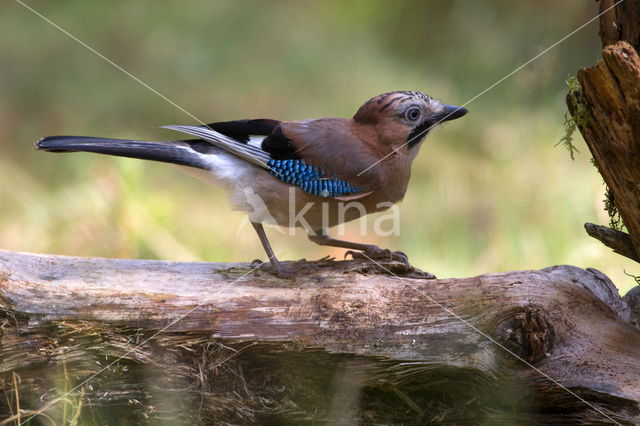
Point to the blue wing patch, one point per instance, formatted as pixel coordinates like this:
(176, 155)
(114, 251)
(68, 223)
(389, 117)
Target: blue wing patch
(311, 179)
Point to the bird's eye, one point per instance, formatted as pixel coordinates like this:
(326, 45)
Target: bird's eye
(412, 114)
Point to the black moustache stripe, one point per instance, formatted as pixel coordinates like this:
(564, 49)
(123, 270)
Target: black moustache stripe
(413, 139)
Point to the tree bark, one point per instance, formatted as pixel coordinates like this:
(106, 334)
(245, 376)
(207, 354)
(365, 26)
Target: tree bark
(610, 97)
(222, 343)
(620, 242)
(607, 112)
(620, 23)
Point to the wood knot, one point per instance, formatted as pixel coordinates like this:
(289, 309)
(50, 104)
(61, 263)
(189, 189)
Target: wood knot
(526, 333)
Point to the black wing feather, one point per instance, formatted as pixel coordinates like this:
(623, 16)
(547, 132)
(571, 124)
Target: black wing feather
(242, 129)
(276, 144)
(279, 146)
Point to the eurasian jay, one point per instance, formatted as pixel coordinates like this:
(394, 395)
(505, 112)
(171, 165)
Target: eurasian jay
(276, 170)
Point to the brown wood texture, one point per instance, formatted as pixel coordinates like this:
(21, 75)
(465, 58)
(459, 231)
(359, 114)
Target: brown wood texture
(350, 340)
(620, 242)
(620, 23)
(610, 96)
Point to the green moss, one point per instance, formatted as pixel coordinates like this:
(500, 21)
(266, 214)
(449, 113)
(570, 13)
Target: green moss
(578, 119)
(615, 220)
(571, 124)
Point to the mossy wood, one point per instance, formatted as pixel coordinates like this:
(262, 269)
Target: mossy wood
(349, 341)
(606, 109)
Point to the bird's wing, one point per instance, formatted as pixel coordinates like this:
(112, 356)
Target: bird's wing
(237, 137)
(295, 159)
(246, 131)
(331, 145)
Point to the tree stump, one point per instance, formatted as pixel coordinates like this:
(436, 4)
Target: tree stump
(610, 97)
(606, 109)
(114, 339)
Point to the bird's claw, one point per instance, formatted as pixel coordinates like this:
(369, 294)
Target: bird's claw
(378, 253)
(288, 270)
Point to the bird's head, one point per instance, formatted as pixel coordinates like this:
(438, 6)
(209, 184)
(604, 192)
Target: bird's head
(403, 119)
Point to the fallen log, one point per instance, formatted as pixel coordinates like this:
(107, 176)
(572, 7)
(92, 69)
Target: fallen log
(352, 342)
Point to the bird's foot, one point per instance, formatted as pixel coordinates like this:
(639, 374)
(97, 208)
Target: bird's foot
(324, 261)
(388, 262)
(286, 270)
(378, 253)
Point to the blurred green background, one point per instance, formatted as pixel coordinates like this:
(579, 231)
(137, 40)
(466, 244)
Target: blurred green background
(488, 193)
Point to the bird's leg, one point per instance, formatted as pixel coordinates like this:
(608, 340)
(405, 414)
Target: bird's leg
(281, 270)
(365, 251)
(265, 244)
(274, 266)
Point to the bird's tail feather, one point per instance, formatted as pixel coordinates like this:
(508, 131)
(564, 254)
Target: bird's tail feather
(177, 152)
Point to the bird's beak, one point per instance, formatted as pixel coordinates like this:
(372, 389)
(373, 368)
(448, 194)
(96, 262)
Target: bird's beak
(450, 112)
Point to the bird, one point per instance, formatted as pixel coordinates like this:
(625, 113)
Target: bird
(303, 173)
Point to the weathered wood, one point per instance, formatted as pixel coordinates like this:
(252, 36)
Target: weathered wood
(620, 242)
(607, 112)
(620, 23)
(349, 341)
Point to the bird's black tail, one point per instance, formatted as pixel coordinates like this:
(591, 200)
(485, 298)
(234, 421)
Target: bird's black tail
(186, 153)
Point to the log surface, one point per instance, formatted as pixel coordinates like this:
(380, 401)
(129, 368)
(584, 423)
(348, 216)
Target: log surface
(352, 324)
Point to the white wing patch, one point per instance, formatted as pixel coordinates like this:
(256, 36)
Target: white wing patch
(256, 141)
